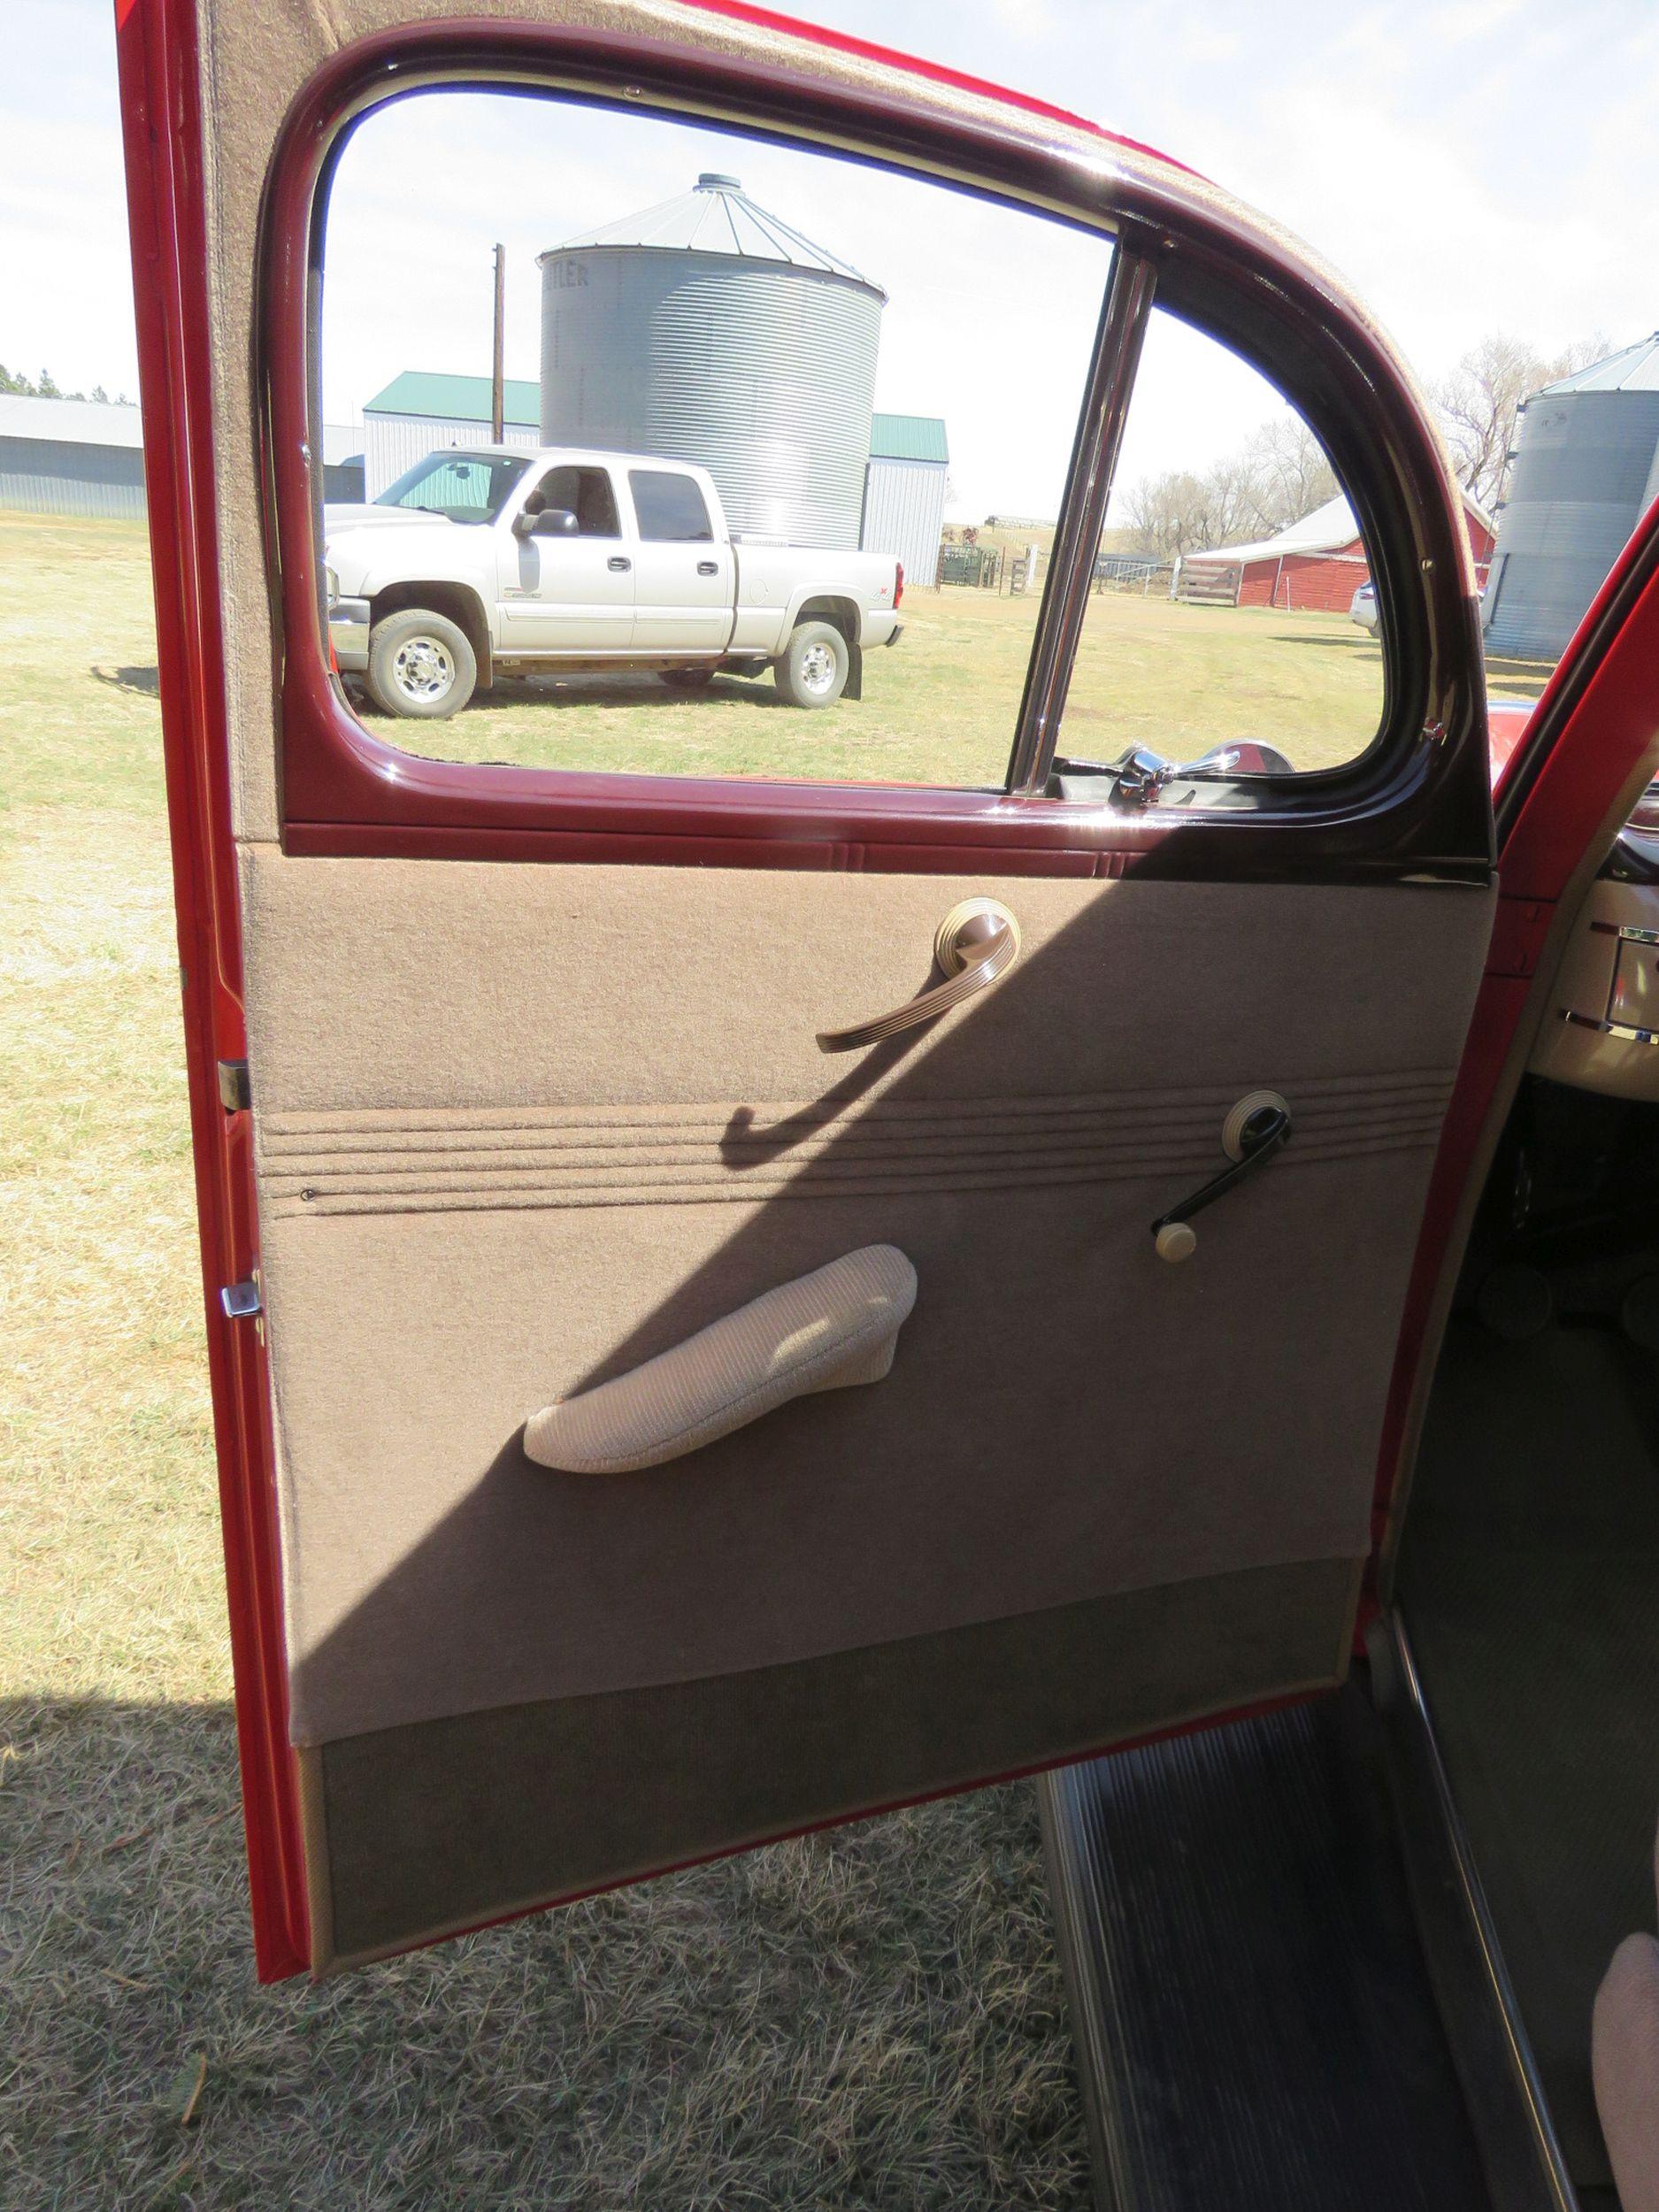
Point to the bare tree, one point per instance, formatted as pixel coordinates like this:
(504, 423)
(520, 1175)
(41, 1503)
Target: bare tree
(1289, 475)
(1279, 475)
(1479, 399)
(1280, 472)
(1172, 514)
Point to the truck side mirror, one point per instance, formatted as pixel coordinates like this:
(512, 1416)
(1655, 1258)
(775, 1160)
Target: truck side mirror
(552, 522)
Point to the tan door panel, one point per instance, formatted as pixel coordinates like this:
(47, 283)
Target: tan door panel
(522, 1129)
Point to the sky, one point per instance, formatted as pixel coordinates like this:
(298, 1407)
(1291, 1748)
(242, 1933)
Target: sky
(1472, 166)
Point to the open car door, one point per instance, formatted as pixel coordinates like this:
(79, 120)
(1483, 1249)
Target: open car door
(643, 1430)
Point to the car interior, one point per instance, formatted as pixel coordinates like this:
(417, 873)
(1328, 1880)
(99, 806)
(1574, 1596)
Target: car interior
(1528, 1577)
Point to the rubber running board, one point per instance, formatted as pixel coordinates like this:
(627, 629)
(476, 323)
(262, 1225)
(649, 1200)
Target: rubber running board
(1254, 2025)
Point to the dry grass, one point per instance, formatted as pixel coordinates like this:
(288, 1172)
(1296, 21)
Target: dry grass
(940, 705)
(872, 2019)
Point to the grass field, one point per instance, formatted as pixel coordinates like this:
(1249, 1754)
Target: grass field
(869, 2019)
(940, 705)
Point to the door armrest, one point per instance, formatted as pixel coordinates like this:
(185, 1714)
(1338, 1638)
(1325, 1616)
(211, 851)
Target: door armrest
(836, 1326)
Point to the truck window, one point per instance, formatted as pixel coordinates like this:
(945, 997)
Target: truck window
(670, 508)
(461, 487)
(587, 494)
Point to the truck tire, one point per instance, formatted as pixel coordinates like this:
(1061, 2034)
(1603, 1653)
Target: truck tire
(420, 666)
(813, 667)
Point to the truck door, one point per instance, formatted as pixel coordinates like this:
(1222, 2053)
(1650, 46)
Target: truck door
(684, 586)
(567, 593)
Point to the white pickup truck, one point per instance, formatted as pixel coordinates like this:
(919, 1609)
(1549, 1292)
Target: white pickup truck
(481, 561)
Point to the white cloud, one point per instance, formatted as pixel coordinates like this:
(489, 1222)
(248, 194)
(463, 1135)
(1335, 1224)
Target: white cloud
(1472, 164)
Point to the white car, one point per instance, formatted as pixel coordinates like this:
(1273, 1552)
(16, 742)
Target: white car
(482, 560)
(1362, 608)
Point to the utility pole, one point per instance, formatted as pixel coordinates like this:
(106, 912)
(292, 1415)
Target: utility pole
(497, 382)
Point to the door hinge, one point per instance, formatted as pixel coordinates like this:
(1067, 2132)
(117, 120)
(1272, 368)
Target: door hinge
(241, 1301)
(235, 1093)
(1518, 931)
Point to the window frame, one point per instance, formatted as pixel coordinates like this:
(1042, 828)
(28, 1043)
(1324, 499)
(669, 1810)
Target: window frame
(1416, 803)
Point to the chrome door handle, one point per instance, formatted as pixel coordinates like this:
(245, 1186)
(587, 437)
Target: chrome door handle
(708, 568)
(976, 942)
(618, 564)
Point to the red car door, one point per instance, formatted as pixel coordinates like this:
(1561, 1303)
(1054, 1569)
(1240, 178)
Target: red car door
(508, 1091)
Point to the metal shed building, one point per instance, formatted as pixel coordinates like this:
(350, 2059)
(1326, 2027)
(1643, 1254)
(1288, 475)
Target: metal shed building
(904, 492)
(420, 409)
(71, 456)
(1587, 468)
(710, 331)
(85, 456)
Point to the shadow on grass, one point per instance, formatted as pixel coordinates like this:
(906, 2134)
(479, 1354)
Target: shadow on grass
(142, 683)
(872, 2017)
(1516, 677)
(513, 693)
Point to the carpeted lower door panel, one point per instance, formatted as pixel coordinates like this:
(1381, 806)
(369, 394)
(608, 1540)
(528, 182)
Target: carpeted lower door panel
(444, 1823)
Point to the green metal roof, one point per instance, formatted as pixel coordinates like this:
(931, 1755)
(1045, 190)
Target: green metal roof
(907, 438)
(467, 398)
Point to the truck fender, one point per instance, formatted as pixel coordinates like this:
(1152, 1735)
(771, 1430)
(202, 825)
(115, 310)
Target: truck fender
(463, 603)
(813, 602)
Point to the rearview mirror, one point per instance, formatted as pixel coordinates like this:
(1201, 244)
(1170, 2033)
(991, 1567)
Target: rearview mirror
(552, 522)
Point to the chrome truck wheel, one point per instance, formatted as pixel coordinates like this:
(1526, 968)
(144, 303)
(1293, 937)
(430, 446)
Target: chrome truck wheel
(421, 666)
(813, 668)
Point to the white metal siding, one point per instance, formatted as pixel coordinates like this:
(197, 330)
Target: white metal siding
(392, 443)
(904, 514)
(51, 464)
(51, 476)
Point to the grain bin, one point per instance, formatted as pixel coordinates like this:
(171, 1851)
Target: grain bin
(1586, 464)
(707, 330)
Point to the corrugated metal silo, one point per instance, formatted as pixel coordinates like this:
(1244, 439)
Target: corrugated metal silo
(708, 330)
(1586, 464)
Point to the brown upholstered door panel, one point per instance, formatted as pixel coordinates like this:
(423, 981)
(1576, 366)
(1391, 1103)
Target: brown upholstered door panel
(521, 1129)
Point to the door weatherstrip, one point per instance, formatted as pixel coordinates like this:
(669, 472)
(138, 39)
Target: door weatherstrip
(1508, 2098)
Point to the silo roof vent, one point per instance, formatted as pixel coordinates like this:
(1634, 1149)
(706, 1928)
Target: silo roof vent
(717, 217)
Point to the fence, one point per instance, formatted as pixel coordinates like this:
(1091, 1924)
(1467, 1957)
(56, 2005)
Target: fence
(1139, 572)
(980, 566)
(1210, 583)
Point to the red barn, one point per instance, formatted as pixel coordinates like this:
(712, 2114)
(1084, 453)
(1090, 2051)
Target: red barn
(1317, 563)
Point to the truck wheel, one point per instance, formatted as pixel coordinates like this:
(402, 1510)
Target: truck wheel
(812, 669)
(420, 666)
(686, 678)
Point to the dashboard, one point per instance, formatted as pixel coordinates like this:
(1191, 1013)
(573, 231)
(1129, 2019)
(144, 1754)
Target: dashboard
(1601, 1033)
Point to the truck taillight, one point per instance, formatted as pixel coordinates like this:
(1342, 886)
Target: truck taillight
(898, 581)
